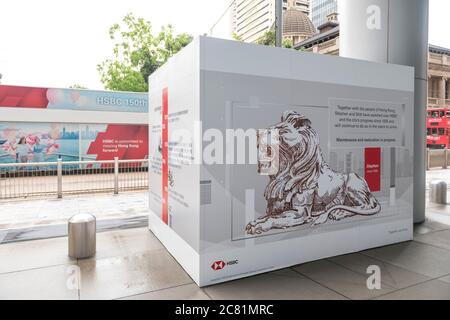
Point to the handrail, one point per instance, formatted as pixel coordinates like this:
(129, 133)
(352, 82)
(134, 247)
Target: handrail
(438, 102)
(56, 178)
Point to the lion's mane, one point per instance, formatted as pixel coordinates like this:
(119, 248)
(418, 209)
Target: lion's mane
(300, 158)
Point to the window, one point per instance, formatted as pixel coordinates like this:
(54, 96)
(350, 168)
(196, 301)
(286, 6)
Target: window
(428, 131)
(434, 131)
(441, 131)
(448, 114)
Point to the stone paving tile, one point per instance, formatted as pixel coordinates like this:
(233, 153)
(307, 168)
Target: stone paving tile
(185, 292)
(349, 283)
(26, 255)
(430, 290)
(391, 275)
(421, 258)
(126, 242)
(438, 238)
(133, 274)
(50, 283)
(431, 225)
(279, 285)
(438, 220)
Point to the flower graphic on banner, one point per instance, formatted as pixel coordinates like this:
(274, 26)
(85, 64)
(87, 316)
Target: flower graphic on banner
(9, 143)
(54, 135)
(12, 136)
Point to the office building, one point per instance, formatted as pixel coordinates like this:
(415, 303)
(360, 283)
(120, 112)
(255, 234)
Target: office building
(320, 9)
(252, 18)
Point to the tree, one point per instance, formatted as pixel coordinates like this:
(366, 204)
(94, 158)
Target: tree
(167, 45)
(269, 39)
(138, 53)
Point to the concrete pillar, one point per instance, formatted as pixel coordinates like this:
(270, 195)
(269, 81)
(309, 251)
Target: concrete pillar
(447, 96)
(430, 87)
(393, 31)
(435, 88)
(448, 89)
(442, 89)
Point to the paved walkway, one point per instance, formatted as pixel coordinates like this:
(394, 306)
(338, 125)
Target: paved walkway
(438, 174)
(132, 264)
(32, 219)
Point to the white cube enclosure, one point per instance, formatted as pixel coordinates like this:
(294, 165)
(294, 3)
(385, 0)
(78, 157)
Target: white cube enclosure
(262, 158)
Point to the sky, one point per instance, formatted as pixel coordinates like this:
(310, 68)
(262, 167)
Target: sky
(58, 43)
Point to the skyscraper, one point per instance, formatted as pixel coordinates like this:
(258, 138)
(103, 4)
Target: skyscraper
(252, 18)
(320, 9)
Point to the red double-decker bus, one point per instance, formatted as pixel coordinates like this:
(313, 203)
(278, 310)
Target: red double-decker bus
(438, 130)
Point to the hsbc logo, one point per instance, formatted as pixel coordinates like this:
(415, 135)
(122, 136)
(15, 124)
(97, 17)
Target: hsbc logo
(219, 265)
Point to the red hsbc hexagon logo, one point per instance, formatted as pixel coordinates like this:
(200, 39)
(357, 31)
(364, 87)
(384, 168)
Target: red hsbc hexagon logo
(218, 265)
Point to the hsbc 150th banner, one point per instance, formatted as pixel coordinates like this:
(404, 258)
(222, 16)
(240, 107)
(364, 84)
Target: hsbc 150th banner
(40, 141)
(71, 99)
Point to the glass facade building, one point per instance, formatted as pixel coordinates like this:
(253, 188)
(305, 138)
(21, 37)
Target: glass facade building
(320, 9)
(252, 18)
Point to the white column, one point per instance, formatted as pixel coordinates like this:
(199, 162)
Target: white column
(393, 31)
(442, 90)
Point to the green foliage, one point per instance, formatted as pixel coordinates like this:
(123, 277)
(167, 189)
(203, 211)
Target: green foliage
(138, 53)
(269, 39)
(236, 37)
(287, 43)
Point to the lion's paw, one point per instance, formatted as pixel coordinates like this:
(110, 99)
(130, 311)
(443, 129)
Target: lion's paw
(338, 215)
(253, 228)
(303, 220)
(320, 220)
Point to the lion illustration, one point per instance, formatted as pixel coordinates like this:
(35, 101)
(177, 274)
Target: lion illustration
(304, 189)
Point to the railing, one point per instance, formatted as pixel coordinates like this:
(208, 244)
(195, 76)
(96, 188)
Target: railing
(55, 179)
(438, 103)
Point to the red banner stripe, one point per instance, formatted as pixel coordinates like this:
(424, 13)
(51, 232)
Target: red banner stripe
(165, 155)
(23, 97)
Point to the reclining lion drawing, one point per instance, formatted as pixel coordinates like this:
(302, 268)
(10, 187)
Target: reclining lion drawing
(304, 188)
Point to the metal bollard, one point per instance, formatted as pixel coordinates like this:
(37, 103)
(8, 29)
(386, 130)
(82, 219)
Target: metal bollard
(82, 236)
(438, 192)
